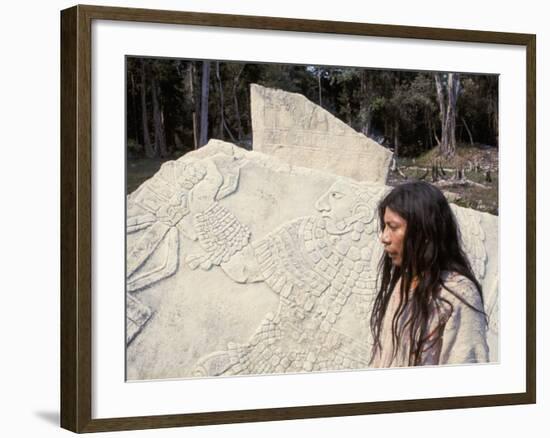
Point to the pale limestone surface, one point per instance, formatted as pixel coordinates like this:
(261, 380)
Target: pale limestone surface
(290, 127)
(241, 264)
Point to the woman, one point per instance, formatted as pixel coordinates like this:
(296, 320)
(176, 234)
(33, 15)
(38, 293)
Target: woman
(429, 308)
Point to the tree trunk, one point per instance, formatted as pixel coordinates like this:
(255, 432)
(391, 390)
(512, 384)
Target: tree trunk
(494, 119)
(195, 131)
(186, 73)
(387, 131)
(452, 96)
(223, 124)
(196, 104)
(158, 121)
(248, 116)
(428, 132)
(240, 132)
(319, 71)
(220, 134)
(447, 88)
(149, 150)
(468, 131)
(205, 89)
(434, 132)
(365, 111)
(134, 108)
(396, 138)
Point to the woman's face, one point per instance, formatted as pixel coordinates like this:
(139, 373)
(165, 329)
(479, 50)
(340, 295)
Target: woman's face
(393, 235)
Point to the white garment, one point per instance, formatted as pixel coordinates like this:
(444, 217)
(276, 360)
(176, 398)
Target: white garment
(463, 336)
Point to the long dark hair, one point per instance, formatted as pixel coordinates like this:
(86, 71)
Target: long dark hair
(431, 247)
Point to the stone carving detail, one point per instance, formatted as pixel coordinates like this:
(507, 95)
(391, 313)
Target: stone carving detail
(136, 316)
(221, 235)
(315, 264)
(476, 246)
(295, 130)
(156, 207)
(321, 266)
(154, 211)
(161, 203)
(474, 239)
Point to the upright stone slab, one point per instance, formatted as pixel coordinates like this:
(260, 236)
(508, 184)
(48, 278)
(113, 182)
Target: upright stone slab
(290, 127)
(238, 263)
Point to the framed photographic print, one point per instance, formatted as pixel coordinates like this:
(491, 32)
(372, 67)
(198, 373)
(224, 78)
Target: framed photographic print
(268, 219)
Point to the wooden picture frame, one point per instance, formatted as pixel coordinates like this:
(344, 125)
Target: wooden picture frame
(76, 218)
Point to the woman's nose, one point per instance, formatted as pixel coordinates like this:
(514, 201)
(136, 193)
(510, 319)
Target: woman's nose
(384, 238)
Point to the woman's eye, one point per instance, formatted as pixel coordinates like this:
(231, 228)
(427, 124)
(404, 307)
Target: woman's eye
(336, 195)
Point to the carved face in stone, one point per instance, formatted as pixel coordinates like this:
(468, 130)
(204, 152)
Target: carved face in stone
(338, 206)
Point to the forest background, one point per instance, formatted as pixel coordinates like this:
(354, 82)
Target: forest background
(442, 127)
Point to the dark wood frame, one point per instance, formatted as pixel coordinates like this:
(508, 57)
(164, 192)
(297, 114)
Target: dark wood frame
(76, 222)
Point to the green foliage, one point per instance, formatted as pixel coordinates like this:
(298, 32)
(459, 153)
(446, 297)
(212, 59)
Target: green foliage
(397, 108)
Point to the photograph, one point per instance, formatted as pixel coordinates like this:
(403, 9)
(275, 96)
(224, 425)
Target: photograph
(268, 218)
(294, 218)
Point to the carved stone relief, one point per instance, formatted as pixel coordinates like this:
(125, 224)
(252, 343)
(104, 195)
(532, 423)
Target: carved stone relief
(241, 264)
(299, 132)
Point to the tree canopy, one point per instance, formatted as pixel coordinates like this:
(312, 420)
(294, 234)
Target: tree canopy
(176, 105)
